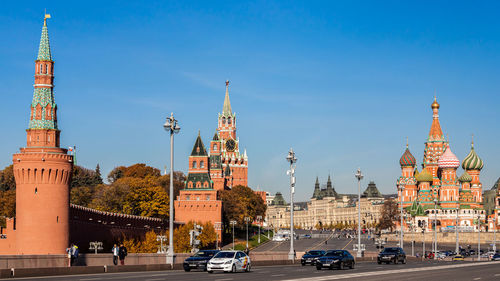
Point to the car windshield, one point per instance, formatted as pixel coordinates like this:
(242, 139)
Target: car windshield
(224, 255)
(315, 253)
(334, 253)
(204, 254)
(390, 250)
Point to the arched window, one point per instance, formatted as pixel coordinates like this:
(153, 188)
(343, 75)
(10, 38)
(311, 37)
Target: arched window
(223, 120)
(190, 185)
(202, 164)
(215, 146)
(41, 69)
(194, 164)
(46, 69)
(229, 121)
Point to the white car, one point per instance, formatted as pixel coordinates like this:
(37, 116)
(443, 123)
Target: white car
(229, 261)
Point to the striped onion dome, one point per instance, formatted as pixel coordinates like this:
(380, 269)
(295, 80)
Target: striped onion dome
(472, 161)
(424, 176)
(407, 159)
(448, 160)
(465, 177)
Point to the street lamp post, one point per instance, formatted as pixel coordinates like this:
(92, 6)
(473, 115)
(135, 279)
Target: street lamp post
(291, 159)
(259, 219)
(247, 219)
(478, 237)
(233, 223)
(423, 239)
(171, 126)
(435, 228)
(456, 232)
(359, 176)
(494, 235)
(401, 188)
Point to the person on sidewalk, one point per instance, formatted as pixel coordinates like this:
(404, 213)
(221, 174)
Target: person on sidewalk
(116, 251)
(122, 253)
(74, 253)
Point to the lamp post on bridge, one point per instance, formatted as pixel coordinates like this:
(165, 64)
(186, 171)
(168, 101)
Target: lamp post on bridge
(259, 219)
(291, 159)
(171, 125)
(359, 176)
(401, 188)
(247, 220)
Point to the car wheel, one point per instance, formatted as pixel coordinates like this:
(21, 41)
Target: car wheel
(233, 269)
(303, 263)
(404, 261)
(352, 265)
(187, 269)
(396, 260)
(210, 271)
(318, 267)
(379, 262)
(248, 268)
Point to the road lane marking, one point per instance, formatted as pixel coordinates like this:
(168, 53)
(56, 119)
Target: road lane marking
(394, 271)
(477, 278)
(317, 245)
(348, 244)
(498, 274)
(276, 275)
(156, 279)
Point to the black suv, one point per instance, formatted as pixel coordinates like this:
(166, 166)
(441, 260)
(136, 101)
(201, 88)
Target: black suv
(311, 257)
(336, 258)
(199, 260)
(394, 255)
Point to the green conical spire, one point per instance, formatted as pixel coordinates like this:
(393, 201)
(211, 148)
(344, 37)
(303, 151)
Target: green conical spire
(226, 108)
(44, 49)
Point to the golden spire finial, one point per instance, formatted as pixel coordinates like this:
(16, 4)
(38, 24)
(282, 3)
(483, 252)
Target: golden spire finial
(407, 142)
(472, 142)
(435, 104)
(45, 17)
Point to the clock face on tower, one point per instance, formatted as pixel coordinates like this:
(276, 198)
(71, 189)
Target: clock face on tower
(230, 145)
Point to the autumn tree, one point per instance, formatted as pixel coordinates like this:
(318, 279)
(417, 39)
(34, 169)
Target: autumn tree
(81, 195)
(7, 180)
(7, 205)
(182, 238)
(148, 201)
(241, 202)
(389, 215)
(179, 179)
(116, 173)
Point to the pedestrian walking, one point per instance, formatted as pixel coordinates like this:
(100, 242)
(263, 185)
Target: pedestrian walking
(116, 251)
(122, 253)
(74, 253)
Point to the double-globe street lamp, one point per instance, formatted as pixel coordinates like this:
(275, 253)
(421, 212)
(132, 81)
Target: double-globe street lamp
(247, 220)
(435, 228)
(291, 159)
(259, 219)
(233, 223)
(359, 176)
(171, 126)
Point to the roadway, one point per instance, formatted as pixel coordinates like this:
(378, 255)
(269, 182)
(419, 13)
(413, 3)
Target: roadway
(413, 270)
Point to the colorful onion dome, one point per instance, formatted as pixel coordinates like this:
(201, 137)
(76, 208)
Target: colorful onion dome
(472, 161)
(435, 104)
(424, 176)
(465, 177)
(448, 160)
(407, 159)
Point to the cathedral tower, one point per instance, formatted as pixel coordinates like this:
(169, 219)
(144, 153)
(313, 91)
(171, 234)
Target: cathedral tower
(42, 169)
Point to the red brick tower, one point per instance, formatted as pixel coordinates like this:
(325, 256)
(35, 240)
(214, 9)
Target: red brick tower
(198, 201)
(42, 169)
(228, 166)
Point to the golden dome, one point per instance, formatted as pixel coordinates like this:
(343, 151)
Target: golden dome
(435, 104)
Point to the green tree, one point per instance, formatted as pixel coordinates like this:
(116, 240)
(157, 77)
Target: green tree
(81, 195)
(84, 177)
(116, 174)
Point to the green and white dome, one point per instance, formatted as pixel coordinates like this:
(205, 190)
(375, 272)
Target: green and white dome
(472, 161)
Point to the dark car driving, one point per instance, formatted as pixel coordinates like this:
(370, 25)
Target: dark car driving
(199, 260)
(393, 254)
(335, 259)
(311, 257)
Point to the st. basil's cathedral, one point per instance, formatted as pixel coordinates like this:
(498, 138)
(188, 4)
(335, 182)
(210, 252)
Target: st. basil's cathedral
(209, 173)
(436, 193)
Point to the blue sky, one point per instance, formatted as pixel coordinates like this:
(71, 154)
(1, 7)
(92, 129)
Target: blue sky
(343, 83)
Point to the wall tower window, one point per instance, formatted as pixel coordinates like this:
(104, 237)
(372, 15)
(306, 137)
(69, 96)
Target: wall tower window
(194, 164)
(202, 164)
